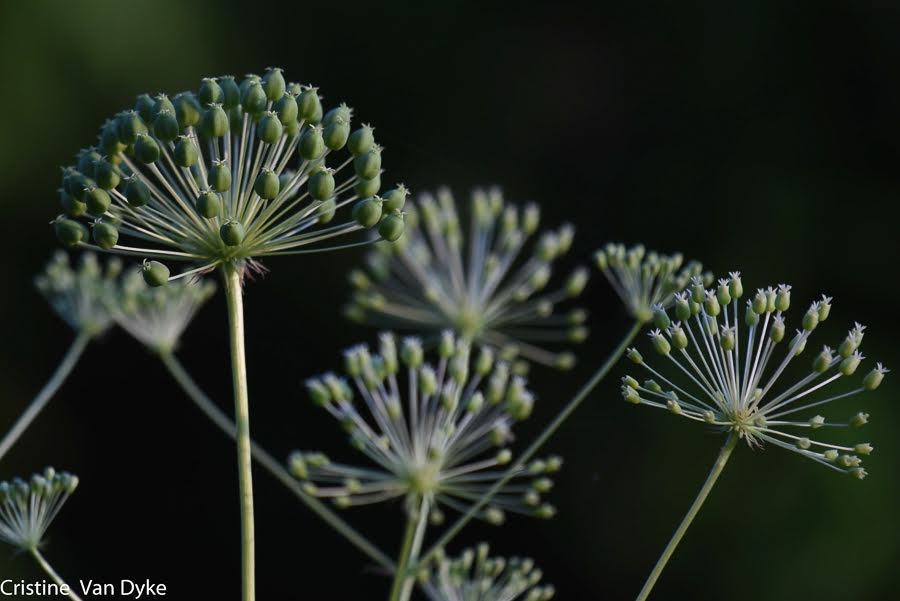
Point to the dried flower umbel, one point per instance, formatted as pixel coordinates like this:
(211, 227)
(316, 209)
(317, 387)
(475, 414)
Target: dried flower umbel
(484, 283)
(474, 576)
(728, 368)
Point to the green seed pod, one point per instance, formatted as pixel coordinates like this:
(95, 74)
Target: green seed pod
(342, 112)
(321, 184)
(336, 134)
(735, 286)
(219, 178)
(751, 317)
(105, 235)
(760, 302)
(109, 139)
(811, 319)
(777, 332)
(368, 165)
(327, 210)
(712, 306)
(155, 273)
(286, 109)
(873, 378)
(859, 420)
(214, 123)
(391, 226)
(723, 293)
(186, 153)
(232, 233)
(682, 309)
(254, 98)
(661, 345)
(816, 422)
(698, 292)
(727, 340)
(146, 149)
(97, 201)
(236, 120)
(661, 318)
(128, 126)
(367, 187)
(395, 199)
(863, 448)
(273, 83)
(87, 159)
(849, 365)
(209, 204)
(269, 128)
(267, 185)
(69, 232)
(210, 92)
(107, 175)
(635, 356)
(367, 212)
(165, 126)
(71, 205)
(361, 141)
(137, 192)
(231, 94)
(143, 106)
(679, 338)
(309, 104)
(312, 146)
(187, 109)
(783, 298)
(822, 360)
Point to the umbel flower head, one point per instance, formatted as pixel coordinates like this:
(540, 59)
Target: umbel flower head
(644, 279)
(473, 576)
(487, 286)
(80, 296)
(28, 507)
(157, 317)
(730, 366)
(438, 432)
(233, 172)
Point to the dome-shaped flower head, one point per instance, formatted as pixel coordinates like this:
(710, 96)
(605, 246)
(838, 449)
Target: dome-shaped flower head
(230, 173)
(438, 432)
(80, 295)
(157, 317)
(730, 369)
(485, 282)
(645, 279)
(475, 576)
(28, 507)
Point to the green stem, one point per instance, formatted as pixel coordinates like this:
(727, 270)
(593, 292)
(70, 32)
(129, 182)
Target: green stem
(416, 519)
(517, 465)
(46, 393)
(52, 573)
(233, 293)
(718, 466)
(263, 458)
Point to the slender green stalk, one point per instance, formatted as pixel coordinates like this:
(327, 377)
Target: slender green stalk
(52, 573)
(46, 393)
(224, 423)
(234, 293)
(409, 551)
(718, 466)
(561, 417)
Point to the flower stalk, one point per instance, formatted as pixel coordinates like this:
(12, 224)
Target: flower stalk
(416, 522)
(45, 565)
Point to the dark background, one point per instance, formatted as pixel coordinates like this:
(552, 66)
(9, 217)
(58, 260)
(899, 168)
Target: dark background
(760, 137)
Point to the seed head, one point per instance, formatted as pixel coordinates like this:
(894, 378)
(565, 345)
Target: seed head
(80, 296)
(28, 507)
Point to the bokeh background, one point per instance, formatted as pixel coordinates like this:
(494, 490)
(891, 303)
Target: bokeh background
(761, 136)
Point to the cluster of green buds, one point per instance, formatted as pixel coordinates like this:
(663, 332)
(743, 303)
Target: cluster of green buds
(27, 507)
(157, 317)
(233, 172)
(485, 286)
(474, 576)
(445, 442)
(80, 295)
(731, 382)
(644, 279)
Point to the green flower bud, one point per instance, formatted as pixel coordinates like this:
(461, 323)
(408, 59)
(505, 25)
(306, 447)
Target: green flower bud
(395, 199)
(777, 331)
(823, 360)
(601, 260)
(630, 382)
(210, 92)
(309, 104)
(286, 109)
(863, 448)
(735, 286)
(811, 319)
(269, 128)
(214, 123)
(727, 340)
(367, 187)
(86, 161)
(129, 126)
(798, 343)
(816, 422)
(97, 201)
(105, 235)
(859, 420)
(109, 139)
(187, 109)
(69, 232)
(698, 293)
(71, 205)
(267, 185)
(273, 83)
(679, 338)
(635, 356)
(336, 134)
(209, 204)
(107, 175)
(849, 365)
(803, 443)
(361, 141)
(312, 146)
(682, 309)
(232, 233)
(711, 304)
(136, 192)
(660, 343)
(219, 177)
(848, 346)
(155, 273)
(165, 126)
(824, 308)
(858, 473)
(367, 212)
(760, 302)
(368, 165)
(186, 153)
(723, 293)
(231, 94)
(342, 112)
(576, 282)
(674, 407)
(873, 378)
(321, 184)
(254, 99)
(783, 298)
(661, 318)
(146, 149)
(391, 226)
(830, 455)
